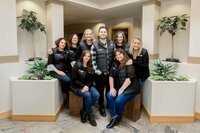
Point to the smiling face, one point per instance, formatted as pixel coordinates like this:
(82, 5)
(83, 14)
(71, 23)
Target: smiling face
(86, 57)
(62, 44)
(119, 56)
(136, 44)
(88, 35)
(119, 39)
(75, 39)
(103, 33)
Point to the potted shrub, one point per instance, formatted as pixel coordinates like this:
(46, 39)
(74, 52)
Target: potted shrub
(172, 24)
(168, 97)
(36, 96)
(37, 71)
(30, 23)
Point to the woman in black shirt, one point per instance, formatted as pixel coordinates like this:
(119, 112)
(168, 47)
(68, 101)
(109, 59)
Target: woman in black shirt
(58, 63)
(123, 86)
(140, 58)
(83, 75)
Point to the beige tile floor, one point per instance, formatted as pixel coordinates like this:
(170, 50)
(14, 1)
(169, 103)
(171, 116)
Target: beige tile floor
(69, 124)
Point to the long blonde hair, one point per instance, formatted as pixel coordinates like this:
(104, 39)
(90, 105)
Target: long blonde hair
(131, 51)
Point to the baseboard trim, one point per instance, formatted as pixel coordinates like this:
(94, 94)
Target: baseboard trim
(9, 59)
(153, 56)
(193, 60)
(5, 115)
(197, 115)
(46, 118)
(160, 119)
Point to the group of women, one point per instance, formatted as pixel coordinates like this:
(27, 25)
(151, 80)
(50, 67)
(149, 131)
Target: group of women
(90, 66)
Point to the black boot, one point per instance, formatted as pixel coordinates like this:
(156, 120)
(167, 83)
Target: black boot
(112, 123)
(119, 118)
(92, 119)
(83, 116)
(102, 111)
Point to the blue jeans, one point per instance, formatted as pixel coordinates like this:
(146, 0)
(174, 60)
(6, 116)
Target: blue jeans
(90, 97)
(116, 104)
(65, 80)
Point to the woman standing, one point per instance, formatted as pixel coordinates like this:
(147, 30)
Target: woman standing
(73, 47)
(140, 58)
(83, 75)
(86, 41)
(123, 86)
(121, 41)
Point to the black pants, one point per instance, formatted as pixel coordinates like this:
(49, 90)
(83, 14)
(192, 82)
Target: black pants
(101, 82)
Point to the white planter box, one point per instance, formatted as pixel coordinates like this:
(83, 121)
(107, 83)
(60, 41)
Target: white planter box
(169, 101)
(38, 100)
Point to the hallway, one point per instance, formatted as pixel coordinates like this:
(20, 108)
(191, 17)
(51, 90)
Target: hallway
(68, 124)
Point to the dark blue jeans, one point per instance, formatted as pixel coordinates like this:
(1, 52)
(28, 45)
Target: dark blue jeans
(90, 97)
(65, 81)
(116, 104)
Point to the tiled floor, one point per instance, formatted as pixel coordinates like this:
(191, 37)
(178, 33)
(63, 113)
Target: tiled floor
(68, 124)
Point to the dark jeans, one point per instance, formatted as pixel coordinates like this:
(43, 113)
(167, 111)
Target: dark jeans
(65, 81)
(90, 97)
(116, 104)
(102, 81)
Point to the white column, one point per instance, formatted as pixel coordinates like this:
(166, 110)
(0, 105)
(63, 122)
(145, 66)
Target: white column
(8, 32)
(55, 21)
(150, 15)
(194, 47)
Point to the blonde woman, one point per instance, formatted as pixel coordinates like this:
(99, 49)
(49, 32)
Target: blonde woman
(86, 41)
(140, 58)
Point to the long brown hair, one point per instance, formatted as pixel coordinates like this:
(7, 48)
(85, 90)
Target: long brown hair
(89, 63)
(124, 60)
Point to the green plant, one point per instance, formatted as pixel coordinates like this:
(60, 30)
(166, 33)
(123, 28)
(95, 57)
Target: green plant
(165, 72)
(30, 23)
(182, 78)
(162, 71)
(37, 71)
(172, 24)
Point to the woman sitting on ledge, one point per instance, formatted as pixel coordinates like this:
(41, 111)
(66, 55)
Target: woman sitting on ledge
(123, 86)
(83, 75)
(58, 64)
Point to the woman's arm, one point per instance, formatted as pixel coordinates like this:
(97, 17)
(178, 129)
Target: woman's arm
(113, 92)
(75, 76)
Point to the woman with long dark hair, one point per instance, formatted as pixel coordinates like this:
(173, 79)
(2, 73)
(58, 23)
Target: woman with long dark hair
(124, 86)
(83, 75)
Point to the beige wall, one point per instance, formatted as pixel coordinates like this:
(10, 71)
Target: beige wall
(134, 24)
(181, 39)
(24, 39)
(8, 32)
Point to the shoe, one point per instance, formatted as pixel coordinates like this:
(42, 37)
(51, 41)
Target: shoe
(92, 119)
(119, 118)
(102, 111)
(83, 116)
(112, 123)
